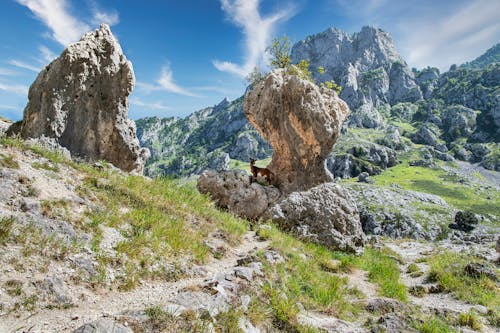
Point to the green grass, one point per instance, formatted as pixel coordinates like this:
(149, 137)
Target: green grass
(8, 161)
(240, 165)
(165, 220)
(162, 220)
(470, 319)
(302, 278)
(434, 325)
(447, 269)
(6, 224)
(383, 270)
(45, 166)
(438, 182)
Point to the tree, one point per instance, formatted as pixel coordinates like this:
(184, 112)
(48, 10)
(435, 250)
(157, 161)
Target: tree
(279, 50)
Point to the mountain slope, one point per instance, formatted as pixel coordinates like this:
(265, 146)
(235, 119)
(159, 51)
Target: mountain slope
(207, 138)
(456, 115)
(85, 246)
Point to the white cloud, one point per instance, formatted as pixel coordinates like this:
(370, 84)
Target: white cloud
(22, 64)
(158, 105)
(47, 54)
(7, 72)
(14, 88)
(257, 31)
(66, 29)
(453, 39)
(430, 33)
(111, 18)
(166, 83)
(101, 16)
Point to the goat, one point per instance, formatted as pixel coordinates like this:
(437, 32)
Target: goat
(264, 172)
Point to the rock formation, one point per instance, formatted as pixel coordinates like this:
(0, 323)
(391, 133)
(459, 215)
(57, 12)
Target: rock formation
(367, 66)
(80, 99)
(234, 191)
(325, 214)
(301, 122)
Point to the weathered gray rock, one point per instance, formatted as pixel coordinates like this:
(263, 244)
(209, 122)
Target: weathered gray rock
(53, 289)
(301, 122)
(325, 214)
(458, 121)
(80, 99)
(385, 305)
(234, 191)
(366, 65)
(477, 270)
(103, 326)
(426, 135)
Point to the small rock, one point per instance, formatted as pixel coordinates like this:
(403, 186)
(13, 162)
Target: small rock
(273, 257)
(30, 205)
(245, 302)
(103, 326)
(384, 305)
(476, 270)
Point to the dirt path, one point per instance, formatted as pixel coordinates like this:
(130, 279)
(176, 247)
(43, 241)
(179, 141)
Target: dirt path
(113, 303)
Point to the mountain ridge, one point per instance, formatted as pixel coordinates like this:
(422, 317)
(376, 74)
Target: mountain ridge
(381, 90)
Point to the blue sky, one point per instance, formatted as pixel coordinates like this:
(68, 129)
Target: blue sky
(191, 54)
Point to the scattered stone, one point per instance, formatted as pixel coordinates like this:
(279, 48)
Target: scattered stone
(103, 326)
(364, 177)
(301, 121)
(53, 289)
(325, 214)
(246, 326)
(200, 301)
(385, 305)
(30, 205)
(477, 270)
(245, 302)
(273, 257)
(391, 323)
(80, 100)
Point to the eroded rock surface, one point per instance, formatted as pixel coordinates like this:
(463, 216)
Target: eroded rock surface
(81, 99)
(301, 122)
(325, 214)
(234, 191)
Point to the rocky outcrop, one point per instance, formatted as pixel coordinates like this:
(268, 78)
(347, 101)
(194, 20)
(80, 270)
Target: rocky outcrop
(233, 190)
(367, 66)
(301, 122)
(80, 99)
(325, 214)
(458, 121)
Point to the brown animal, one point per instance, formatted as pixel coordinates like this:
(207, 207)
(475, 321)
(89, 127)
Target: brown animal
(264, 172)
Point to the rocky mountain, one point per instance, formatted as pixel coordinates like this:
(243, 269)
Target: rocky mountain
(454, 114)
(208, 138)
(372, 74)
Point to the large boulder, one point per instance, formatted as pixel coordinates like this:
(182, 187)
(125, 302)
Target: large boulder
(234, 190)
(81, 99)
(325, 214)
(301, 121)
